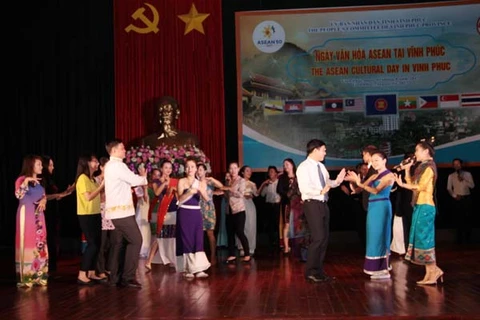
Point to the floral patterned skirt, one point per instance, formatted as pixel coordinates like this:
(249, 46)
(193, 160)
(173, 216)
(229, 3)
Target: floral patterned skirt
(31, 253)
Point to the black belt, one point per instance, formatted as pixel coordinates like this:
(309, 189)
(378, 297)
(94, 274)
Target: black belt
(315, 200)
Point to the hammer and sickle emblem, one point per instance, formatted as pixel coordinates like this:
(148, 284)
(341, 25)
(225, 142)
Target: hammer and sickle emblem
(150, 25)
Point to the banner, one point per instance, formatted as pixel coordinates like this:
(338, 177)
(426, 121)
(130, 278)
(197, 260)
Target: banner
(382, 75)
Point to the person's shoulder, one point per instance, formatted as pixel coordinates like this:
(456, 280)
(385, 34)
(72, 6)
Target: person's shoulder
(303, 164)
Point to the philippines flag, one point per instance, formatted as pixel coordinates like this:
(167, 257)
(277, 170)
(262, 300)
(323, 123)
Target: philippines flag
(293, 106)
(449, 101)
(381, 104)
(334, 105)
(353, 105)
(312, 106)
(428, 102)
(471, 100)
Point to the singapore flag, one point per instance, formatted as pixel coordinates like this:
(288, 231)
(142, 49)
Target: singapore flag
(449, 101)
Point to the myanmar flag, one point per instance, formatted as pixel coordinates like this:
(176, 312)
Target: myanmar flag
(407, 103)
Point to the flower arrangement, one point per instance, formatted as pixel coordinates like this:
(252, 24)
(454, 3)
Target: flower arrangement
(153, 158)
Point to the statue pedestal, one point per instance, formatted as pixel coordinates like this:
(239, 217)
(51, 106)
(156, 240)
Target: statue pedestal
(152, 158)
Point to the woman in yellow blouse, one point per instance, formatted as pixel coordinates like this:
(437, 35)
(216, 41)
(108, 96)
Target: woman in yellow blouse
(421, 247)
(88, 211)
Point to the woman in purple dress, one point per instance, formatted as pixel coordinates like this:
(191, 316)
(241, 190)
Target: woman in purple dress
(191, 258)
(31, 254)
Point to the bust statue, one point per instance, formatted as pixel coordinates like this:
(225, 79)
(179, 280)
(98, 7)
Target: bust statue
(168, 112)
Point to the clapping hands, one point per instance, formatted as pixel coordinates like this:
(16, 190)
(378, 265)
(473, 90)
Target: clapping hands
(352, 176)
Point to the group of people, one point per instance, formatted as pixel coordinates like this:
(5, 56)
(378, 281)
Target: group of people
(176, 213)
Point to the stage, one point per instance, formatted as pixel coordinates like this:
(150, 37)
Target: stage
(271, 287)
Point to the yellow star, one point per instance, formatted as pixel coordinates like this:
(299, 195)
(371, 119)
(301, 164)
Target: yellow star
(193, 20)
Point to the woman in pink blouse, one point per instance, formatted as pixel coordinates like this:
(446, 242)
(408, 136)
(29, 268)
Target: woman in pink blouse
(236, 214)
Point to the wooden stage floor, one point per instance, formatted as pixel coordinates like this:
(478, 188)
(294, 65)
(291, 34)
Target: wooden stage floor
(271, 287)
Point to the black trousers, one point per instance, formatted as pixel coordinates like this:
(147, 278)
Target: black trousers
(91, 225)
(236, 226)
(318, 219)
(126, 233)
(463, 217)
(103, 252)
(272, 214)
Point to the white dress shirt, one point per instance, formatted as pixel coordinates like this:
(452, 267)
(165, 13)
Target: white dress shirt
(270, 193)
(461, 188)
(119, 181)
(309, 180)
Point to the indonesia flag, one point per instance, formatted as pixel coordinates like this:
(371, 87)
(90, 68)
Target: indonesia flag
(449, 101)
(471, 100)
(312, 106)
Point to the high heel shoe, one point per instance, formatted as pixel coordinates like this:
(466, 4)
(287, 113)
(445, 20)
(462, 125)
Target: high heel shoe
(247, 259)
(439, 275)
(148, 266)
(231, 260)
(434, 278)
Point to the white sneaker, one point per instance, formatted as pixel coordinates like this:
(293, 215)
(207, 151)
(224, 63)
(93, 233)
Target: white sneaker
(189, 275)
(201, 274)
(380, 276)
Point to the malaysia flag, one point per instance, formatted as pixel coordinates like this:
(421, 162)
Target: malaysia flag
(353, 104)
(428, 102)
(449, 101)
(471, 100)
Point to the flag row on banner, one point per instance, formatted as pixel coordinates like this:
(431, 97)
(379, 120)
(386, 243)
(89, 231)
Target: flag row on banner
(373, 105)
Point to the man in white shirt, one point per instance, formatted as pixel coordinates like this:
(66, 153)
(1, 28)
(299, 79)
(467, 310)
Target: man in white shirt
(119, 181)
(458, 185)
(314, 183)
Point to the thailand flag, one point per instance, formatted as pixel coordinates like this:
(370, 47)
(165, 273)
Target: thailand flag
(449, 101)
(471, 100)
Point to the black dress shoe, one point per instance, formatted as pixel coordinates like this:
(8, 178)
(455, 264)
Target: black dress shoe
(130, 284)
(317, 279)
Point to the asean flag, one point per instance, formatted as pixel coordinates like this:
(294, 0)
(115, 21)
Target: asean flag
(381, 104)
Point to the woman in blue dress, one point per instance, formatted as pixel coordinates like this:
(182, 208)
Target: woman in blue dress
(379, 217)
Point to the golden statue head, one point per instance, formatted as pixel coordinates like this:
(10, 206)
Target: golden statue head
(168, 113)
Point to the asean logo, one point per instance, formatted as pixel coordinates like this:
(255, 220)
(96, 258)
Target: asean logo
(381, 104)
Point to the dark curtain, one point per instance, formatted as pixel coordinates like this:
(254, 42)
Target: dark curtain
(61, 88)
(188, 67)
